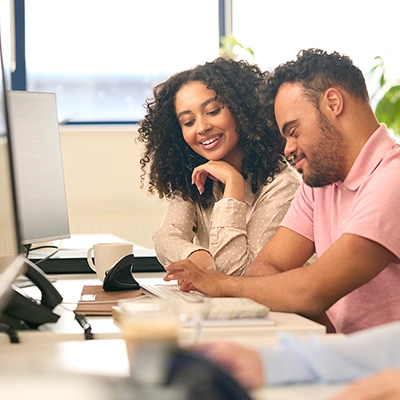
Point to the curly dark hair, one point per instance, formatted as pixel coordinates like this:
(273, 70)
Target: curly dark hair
(316, 70)
(169, 158)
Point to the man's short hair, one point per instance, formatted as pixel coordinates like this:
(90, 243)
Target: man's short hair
(316, 70)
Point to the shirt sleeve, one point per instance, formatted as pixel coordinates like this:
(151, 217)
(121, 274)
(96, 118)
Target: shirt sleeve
(300, 216)
(340, 359)
(174, 239)
(236, 238)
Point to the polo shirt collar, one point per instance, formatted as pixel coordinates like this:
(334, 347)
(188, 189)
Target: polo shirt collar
(369, 158)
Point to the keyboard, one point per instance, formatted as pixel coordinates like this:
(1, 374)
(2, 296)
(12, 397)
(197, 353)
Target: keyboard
(212, 308)
(168, 292)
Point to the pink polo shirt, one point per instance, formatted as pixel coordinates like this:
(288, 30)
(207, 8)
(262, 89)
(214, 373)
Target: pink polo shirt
(367, 204)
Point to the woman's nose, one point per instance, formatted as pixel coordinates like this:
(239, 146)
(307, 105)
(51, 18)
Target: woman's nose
(203, 126)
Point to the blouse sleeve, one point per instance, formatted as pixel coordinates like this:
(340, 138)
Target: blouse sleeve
(234, 243)
(174, 239)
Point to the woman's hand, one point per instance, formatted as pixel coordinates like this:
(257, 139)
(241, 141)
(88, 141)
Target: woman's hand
(223, 172)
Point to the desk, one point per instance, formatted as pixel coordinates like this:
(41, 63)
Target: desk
(66, 328)
(45, 359)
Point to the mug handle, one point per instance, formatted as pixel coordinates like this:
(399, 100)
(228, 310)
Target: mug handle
(89, 259)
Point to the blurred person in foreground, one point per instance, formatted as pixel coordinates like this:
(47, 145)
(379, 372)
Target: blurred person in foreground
(369, 359)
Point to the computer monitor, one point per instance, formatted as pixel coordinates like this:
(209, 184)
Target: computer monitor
(17, 311)
(12, 262)
(37, 159)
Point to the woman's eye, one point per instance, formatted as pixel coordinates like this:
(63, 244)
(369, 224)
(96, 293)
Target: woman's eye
(188, 123)
(214, 111)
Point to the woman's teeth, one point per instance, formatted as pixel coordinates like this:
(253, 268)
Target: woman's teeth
(206, 143)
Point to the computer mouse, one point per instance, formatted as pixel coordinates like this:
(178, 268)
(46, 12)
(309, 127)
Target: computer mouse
(120, 276)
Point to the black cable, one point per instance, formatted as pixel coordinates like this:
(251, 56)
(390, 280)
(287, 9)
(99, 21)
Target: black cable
(48, 256)
(12, 333)
(85, 325)
(43, 247)
(29, 249)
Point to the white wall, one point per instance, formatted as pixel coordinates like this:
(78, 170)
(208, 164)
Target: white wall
(102, 179)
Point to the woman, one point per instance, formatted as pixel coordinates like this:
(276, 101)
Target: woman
(209, 151)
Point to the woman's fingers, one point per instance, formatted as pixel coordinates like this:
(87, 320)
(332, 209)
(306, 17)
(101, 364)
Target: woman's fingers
(215, 170)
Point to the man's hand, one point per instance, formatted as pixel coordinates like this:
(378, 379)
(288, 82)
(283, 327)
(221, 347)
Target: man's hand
(242, 362)
(207, 281)
(203, 260)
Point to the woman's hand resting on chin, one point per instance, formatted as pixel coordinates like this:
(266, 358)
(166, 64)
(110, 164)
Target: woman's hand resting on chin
(223, 172)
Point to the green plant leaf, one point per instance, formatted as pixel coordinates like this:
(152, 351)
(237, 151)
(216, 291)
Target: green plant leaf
(382, 81)
(388, 109)
(228, 43)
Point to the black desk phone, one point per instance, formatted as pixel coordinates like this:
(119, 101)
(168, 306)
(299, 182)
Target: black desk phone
(24, 312)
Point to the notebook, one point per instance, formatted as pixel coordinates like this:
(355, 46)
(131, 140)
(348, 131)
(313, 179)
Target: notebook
(95, 301)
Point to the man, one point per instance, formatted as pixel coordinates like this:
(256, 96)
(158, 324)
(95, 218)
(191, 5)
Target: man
(346, 210)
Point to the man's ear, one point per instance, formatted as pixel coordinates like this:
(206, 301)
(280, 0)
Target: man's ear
(333, 101)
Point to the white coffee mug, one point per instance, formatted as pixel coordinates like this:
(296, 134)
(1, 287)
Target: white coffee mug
(106, 255)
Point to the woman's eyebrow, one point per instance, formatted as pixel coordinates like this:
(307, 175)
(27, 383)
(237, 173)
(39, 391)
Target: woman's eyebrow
(203, 104)
(183, 113)
(208, 101)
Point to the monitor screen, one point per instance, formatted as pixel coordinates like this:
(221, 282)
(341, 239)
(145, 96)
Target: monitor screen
(37, 159)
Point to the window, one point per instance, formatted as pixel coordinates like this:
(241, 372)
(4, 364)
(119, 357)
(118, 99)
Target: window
(5, 39)
(276, 31)
(102, 58)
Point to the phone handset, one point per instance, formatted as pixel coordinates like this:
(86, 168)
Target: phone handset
(24, 312)
(50, 296)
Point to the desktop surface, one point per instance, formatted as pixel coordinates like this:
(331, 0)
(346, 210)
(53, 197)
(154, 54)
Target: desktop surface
(104, 327)
(59, 350)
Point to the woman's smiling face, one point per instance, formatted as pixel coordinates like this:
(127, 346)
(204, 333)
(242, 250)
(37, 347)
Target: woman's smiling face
(207, 124)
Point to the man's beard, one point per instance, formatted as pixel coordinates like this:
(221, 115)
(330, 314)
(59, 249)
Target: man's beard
(326, 161)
